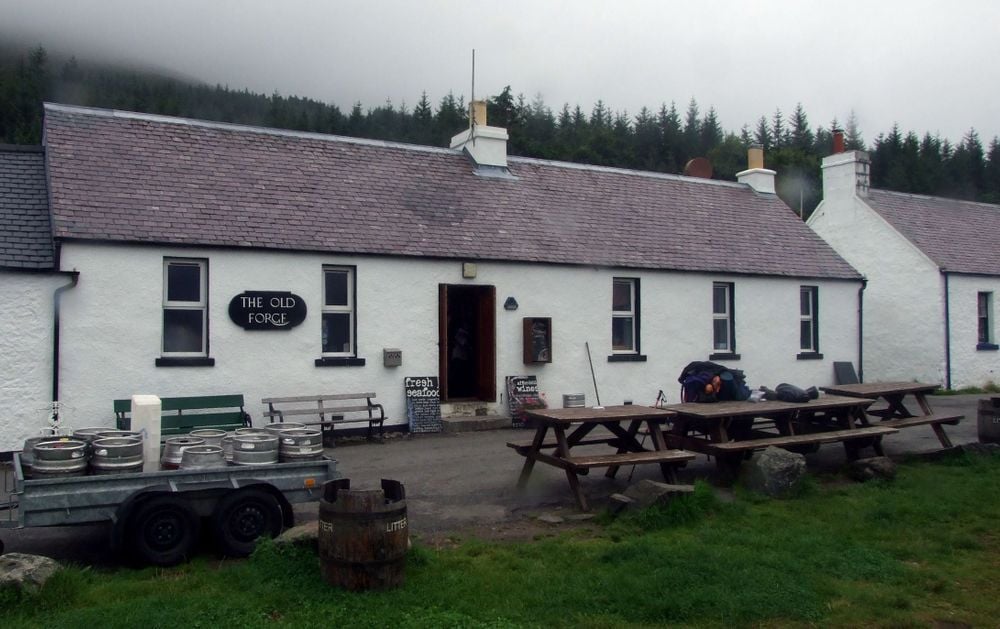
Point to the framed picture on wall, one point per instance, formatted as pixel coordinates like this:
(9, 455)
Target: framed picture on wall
(537, 340)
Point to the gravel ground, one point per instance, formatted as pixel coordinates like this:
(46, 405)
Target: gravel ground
(461, 485)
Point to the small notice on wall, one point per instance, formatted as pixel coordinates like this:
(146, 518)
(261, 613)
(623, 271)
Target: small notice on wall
(523, 395)
(423, 403)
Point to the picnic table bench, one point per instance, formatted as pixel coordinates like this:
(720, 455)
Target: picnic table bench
(895, 414)
(729, 430)
(623, 424)
(181, 415)
(327, 411)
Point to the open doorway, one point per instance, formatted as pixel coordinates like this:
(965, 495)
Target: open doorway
(467, 338)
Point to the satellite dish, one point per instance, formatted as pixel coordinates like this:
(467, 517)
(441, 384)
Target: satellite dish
(698, 167)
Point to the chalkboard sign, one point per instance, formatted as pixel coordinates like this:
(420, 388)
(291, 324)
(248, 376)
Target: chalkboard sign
(267, 310)
(522, 395)
(423, 403)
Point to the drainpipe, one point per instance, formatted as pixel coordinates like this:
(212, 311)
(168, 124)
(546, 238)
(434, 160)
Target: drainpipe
(861, 327)
(56, 298)
(947, 332)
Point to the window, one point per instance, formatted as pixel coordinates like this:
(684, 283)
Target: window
(338, 312)
(625, 316)
(985, 317)
(723, 329)
(808, 321)
(185, 307)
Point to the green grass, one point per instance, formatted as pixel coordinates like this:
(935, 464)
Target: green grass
(921, 549)
(989, 387)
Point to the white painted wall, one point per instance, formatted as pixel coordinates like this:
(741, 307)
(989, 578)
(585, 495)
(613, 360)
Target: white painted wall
(25, 354)
(972, 367)
(112, 328)
(903, 302)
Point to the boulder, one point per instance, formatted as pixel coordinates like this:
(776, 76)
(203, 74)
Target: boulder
(869, 469)
(774, 471)
(647, 493)
(619, 502)
(25, 572)
(305, 534)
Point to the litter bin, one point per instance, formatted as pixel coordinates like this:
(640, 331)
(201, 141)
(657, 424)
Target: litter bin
(988, 420)
(363, 535)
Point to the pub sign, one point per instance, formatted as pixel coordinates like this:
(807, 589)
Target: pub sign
(267, 310)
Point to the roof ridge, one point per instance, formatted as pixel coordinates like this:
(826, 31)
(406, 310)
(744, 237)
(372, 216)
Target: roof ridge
(232, 126)
(614, 170)
(929, 197)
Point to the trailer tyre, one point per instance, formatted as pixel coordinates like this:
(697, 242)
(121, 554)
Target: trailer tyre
(242, 517)
(163, 531)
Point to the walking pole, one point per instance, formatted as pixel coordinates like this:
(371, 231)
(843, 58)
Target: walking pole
(590, 360)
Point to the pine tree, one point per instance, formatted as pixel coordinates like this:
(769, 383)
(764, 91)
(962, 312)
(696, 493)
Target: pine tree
(762, 135)
(800, 135)
(778, 132)
(852, 134)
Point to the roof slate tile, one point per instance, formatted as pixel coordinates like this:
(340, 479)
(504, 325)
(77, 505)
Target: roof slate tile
(132, 177)
(959, 236)
(25, 232)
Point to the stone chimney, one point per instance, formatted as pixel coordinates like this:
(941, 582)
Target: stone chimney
(485, 145)
(756, 176)
(845, 172)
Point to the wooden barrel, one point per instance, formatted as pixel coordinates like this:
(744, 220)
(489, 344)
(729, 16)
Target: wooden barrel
(988, 420)
(363, 535)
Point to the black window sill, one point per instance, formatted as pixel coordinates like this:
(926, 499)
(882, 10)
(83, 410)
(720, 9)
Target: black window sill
(340, 362)
(195, 361)
(627, 358)
(987, 347)
(809, 356)
(724, 356)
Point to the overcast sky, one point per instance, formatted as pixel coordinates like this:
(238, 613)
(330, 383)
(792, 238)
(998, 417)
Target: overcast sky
(929, 65)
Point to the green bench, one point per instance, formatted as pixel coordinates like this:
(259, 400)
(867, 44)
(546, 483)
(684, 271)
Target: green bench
(181, 415)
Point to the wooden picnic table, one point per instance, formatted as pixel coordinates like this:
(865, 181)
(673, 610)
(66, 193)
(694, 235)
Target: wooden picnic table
(622, 422)
(730, 430)
(896, 414)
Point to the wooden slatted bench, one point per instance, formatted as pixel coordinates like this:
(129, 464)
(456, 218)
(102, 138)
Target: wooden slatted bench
(781, 441)
(181, 415)
(525, 444)
(584, 461)
(328, 411)
(919, 420)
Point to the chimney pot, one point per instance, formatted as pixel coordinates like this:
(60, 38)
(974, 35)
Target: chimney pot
(477, 111)
(755, 157)
(838, 141)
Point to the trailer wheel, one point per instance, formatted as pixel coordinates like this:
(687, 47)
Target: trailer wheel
(243, 516)
(163, 530)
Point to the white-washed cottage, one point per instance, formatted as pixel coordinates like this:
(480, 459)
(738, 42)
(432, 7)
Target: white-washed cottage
(932, 269)
(175, 227)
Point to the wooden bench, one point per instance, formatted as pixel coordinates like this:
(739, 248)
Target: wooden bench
(525, 444)
(181, 415)
(327, 411)
(781, 441)
(584, 461)
(919, 420)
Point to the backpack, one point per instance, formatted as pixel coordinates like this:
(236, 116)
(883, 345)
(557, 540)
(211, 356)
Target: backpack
(704, 381)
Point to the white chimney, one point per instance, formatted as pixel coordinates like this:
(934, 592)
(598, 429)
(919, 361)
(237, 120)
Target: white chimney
(846, 173)
(756, 176)
(487, 146)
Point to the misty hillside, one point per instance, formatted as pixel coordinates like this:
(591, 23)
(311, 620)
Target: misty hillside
(663, 138)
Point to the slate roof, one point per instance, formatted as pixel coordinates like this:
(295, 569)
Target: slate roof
(959, 236)
(117, 176)
(25, 233)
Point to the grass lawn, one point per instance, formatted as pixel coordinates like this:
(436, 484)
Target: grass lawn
(921, 551)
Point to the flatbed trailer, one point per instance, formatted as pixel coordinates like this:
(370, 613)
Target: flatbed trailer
(157, 517)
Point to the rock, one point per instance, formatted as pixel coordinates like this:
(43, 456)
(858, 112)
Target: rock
(869, 469)
(647, 493)
(774, 471)
(305, 534)
(581, 517)
(550, 519)
(619, 502)
(26, 572)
